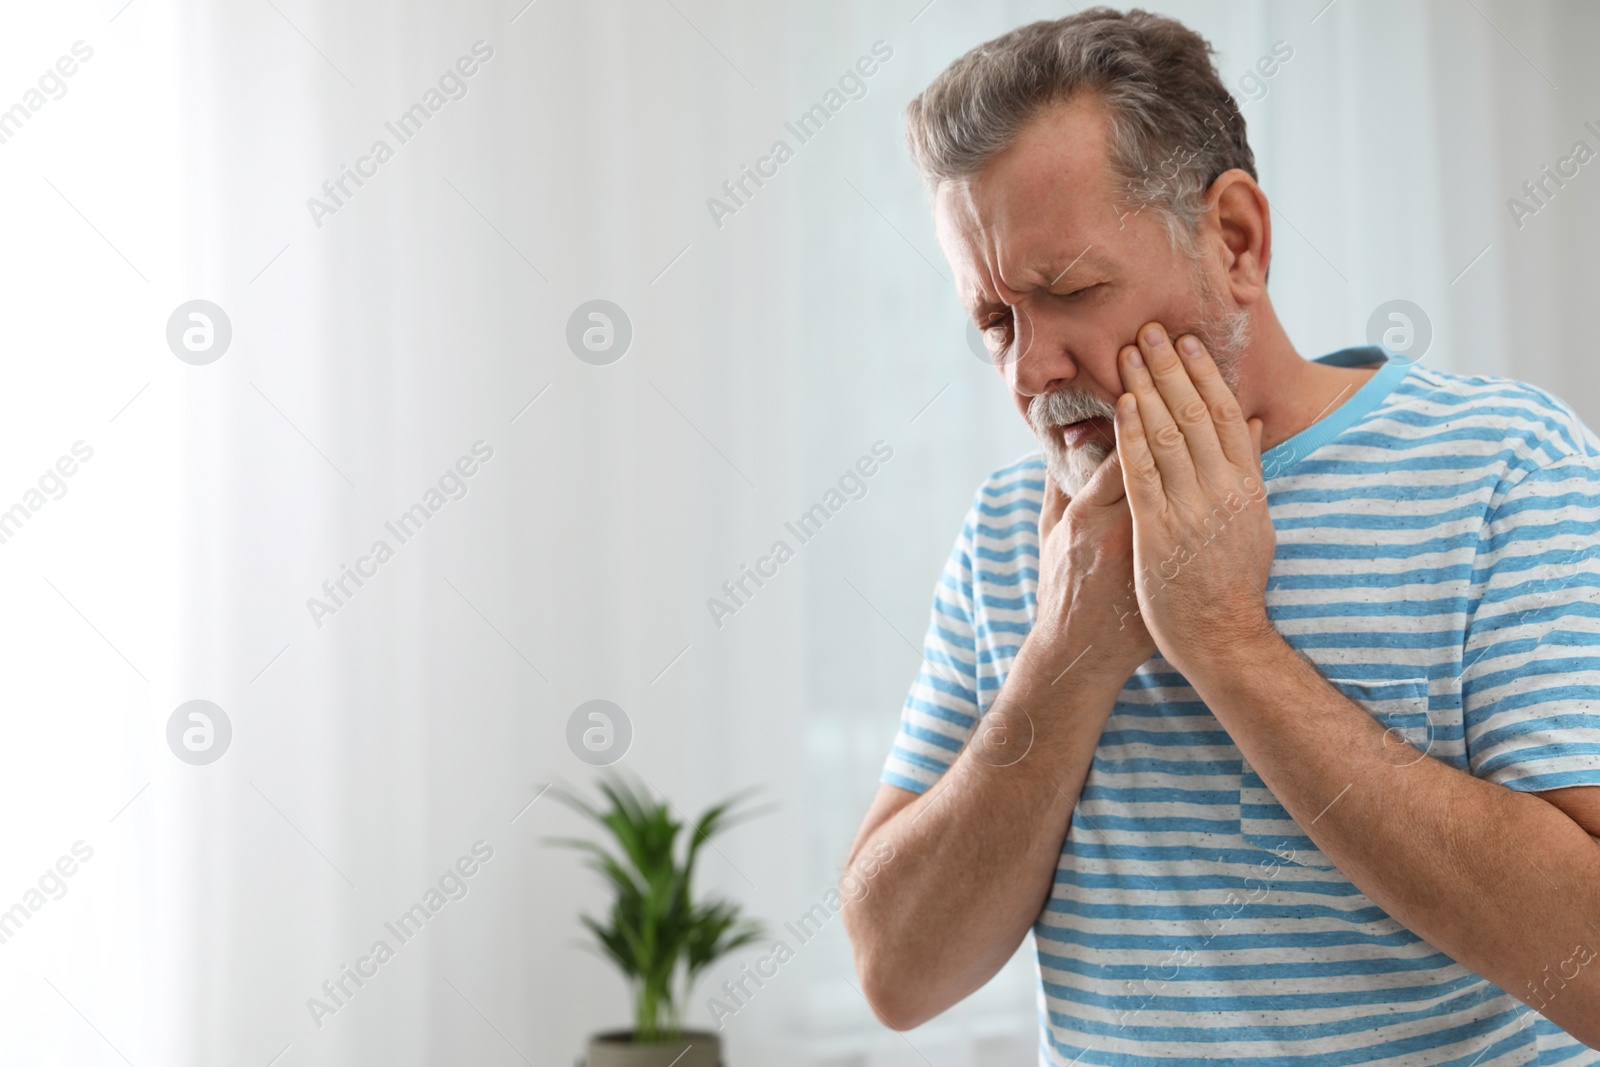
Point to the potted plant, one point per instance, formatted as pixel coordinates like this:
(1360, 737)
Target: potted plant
(657, 933)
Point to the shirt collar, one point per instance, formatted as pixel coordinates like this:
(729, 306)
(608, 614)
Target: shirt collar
(1286, 454)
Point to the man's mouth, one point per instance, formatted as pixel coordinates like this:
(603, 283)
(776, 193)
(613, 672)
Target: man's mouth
(1084, 430)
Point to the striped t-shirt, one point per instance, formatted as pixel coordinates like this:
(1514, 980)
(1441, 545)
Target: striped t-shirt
(1438, 556)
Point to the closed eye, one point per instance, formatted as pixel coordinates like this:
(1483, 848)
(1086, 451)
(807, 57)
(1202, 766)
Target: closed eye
(994, 323)
(1003, 319)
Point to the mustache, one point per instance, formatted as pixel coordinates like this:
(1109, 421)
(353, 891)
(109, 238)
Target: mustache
(1048, 411)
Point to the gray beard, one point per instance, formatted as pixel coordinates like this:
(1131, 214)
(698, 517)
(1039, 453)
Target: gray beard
(1226, 333)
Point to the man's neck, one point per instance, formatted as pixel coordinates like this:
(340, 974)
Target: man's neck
(1286, 391)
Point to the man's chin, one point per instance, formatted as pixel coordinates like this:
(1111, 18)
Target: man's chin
(1071, 467)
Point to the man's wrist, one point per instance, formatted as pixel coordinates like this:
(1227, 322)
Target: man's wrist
(1249, 650)
(1061, 662)
(1046, 703)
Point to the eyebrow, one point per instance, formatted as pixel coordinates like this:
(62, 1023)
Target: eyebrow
(1046, 270)
(1056, 277)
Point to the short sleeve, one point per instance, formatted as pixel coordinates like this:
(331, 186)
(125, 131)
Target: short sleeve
(1530, 683)
(942, 708)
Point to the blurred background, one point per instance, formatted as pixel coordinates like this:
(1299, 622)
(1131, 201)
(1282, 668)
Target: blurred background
(186, 493)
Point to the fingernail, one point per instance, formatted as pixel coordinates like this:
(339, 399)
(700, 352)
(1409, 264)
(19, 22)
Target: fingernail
(1134, 358)
(1190, 346)
(1154, 336)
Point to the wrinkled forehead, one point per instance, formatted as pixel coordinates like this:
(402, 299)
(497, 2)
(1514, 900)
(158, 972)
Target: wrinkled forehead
(1050, 194)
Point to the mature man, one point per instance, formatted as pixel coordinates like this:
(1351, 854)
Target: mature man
(1285, 756)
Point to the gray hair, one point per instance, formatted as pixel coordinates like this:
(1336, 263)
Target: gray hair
(1173, 126)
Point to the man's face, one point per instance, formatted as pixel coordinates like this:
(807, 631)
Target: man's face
(1059, 277)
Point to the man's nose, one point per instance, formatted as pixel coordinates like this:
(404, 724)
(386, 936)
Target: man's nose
(1039, 364)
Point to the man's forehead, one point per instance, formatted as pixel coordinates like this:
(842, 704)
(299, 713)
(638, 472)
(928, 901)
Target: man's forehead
(1041, 205)
(1034, 251)
(983, 215)
(1065, 145)
(975, 286)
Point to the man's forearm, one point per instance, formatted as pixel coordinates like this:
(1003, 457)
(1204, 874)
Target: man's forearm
(1503, 882)
(976, 854)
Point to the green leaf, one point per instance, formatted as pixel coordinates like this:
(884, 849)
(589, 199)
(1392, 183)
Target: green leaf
(655, 932)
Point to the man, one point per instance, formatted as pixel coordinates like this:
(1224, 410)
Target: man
(1268, 697)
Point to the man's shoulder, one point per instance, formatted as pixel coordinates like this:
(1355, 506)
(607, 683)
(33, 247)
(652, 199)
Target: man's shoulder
(1004, 513)
(999, 547)
(1016, 487)
(1536, 425)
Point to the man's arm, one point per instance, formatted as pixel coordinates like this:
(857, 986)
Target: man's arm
(974, 858)
(1502, 882)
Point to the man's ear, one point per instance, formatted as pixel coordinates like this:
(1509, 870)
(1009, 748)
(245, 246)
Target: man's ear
(1241, 219)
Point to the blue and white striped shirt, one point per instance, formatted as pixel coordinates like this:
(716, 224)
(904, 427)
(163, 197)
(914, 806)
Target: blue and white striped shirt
(1438, 556)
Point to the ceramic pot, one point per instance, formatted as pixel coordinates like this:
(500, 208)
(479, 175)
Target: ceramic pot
(696, 1048)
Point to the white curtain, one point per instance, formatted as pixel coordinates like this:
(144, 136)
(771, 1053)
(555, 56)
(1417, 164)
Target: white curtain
(378, 338)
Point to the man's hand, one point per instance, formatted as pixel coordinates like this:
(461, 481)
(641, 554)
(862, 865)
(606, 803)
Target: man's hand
(1086, 568)
(1191, 465)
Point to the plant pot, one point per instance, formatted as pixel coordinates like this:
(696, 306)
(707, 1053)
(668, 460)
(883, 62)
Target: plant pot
(696, 1048)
